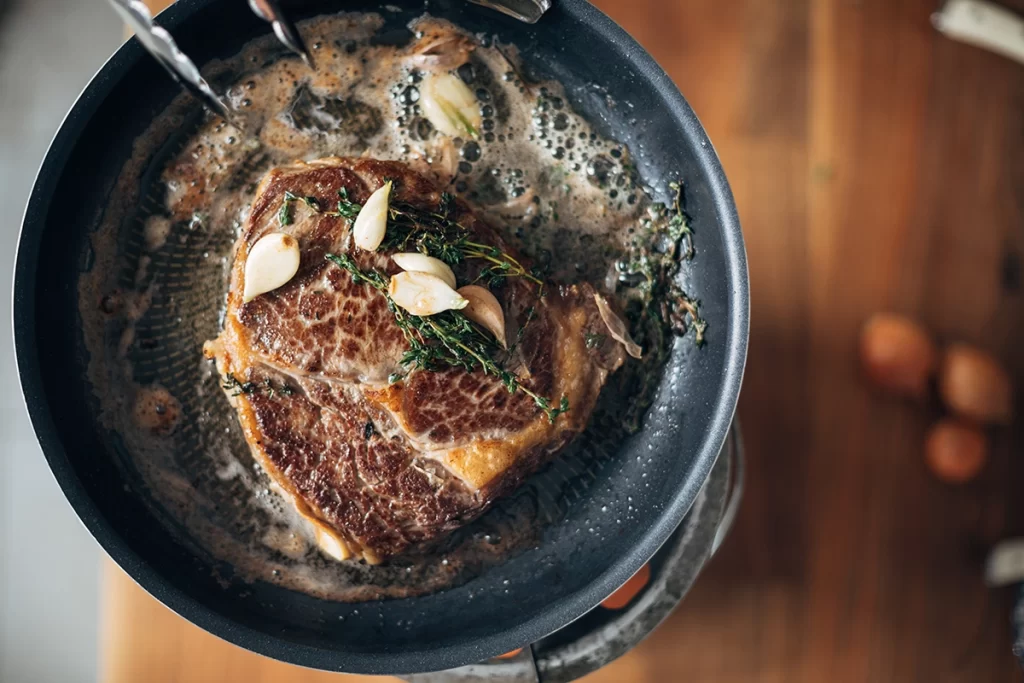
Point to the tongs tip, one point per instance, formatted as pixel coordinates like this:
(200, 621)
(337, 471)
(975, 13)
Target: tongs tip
(284, 29)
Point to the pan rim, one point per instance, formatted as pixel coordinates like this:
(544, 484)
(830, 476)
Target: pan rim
(559, 614)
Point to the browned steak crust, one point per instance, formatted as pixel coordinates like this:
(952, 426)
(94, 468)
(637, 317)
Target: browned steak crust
(380, 467)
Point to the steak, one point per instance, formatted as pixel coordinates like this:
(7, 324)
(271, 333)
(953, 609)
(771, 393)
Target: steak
(380, 466)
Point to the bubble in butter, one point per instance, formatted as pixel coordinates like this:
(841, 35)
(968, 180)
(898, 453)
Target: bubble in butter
(156, 411)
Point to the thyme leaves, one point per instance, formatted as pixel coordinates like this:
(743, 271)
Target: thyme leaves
(449, 338)
(679, 233)
(237, 387)
(284, 214)
(446, 339)
(437, 234)
(652, 266)
(346, 208)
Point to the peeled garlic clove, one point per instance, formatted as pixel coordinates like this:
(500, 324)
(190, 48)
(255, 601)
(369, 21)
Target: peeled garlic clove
(616, 327)
(421, 263)
(424, 294)
(271, 262)
(372, 221)
(484, 310)
(449, 105)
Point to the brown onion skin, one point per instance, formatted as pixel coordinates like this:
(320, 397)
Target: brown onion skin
(955, 450)
(974, 385)
(898, 354)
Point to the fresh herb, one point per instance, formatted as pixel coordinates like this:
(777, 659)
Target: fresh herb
(652, 266)
(437, 234)
(678, 231)
(593, 341)
(447, 339)
(270, 389)
(231, 383)
(446, 205)
(657, 307)
(346, 208)
(682, 307)
(434, 233)
(284, 215)
(372, 277)
(501, 265)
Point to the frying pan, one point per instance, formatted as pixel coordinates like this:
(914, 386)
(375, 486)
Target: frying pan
(651, 481)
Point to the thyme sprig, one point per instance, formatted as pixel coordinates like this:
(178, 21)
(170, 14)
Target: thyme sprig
(231, 383)
(437, 234)
(434, 233)
(655, 263)
(284, 214)
(502, 265)
(679, 232)
(446, 339)
(346, 208)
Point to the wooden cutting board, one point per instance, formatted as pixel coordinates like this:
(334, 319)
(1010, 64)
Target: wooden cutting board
(876, 165)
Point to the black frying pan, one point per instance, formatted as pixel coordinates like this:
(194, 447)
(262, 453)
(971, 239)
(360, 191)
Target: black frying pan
(658, 472)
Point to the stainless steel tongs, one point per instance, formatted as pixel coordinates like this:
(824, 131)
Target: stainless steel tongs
(159, 43)
(284, 29)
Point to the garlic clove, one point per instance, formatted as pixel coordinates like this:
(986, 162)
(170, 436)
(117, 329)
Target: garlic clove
(484, 310)
(442, 52)
(372, 221)
(616, 327)
(421, 263)
(271, 262)
(424, 294)
(450, 105)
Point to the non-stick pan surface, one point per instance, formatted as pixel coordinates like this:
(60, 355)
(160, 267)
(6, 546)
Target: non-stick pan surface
(635, 499)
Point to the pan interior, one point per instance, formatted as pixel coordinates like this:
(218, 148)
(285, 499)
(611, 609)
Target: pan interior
(602, 517)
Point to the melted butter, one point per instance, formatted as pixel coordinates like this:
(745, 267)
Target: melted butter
(564, 195)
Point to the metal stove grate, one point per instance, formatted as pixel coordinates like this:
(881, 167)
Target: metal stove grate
(602, 636)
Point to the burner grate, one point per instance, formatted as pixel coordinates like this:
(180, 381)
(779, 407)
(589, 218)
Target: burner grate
(601, 636)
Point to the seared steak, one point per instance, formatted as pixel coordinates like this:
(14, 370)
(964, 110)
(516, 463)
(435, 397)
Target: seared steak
(379, 465)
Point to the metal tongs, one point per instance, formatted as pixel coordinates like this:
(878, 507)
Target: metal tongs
(284, 29)
(159, 43)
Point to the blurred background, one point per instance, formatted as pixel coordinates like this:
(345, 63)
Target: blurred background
(877, 166)
(50, 567)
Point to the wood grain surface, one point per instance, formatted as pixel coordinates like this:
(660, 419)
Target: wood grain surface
(876, 165)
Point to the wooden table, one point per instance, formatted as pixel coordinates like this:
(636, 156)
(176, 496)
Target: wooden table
(876, 165)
